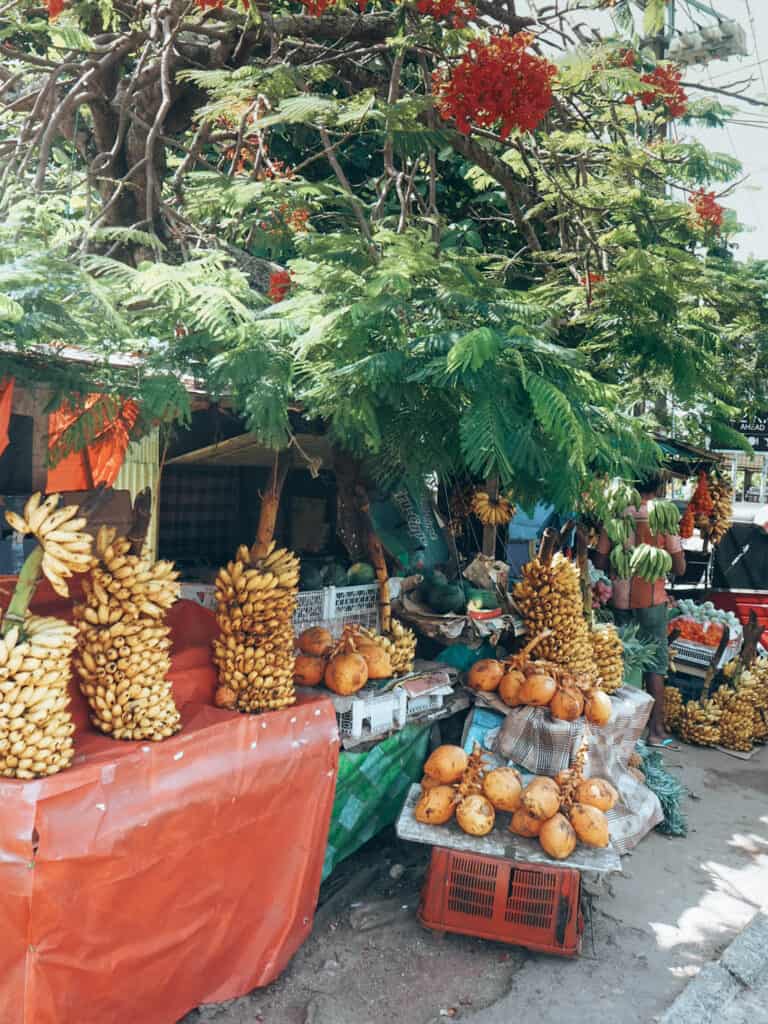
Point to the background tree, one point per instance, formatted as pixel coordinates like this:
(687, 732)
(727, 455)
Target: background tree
(402, 217)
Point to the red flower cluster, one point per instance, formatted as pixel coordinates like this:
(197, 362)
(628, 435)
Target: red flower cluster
(591, 279)
(666, 89)
(458, 10)
(708, 210)
(55, 7)
(209, 5)
(494, 82)
(279, 285)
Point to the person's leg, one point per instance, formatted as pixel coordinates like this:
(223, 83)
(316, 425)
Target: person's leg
(652, 627)
(654, 684)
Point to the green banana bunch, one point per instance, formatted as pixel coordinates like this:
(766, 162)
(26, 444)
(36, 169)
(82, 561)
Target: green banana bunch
(663, 517)
(620, 529)
(620, 560)
(620, 495)
(650, 563)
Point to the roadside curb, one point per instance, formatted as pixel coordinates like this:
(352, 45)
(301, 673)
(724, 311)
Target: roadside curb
(742, 966)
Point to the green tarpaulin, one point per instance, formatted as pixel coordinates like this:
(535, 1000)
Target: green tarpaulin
(370, 790)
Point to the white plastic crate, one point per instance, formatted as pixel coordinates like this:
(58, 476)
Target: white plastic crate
(369, 711)
(427, 702)
(334, 607)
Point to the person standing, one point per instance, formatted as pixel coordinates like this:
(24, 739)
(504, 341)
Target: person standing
(645, 604)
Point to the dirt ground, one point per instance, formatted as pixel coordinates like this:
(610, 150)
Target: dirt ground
(677, 905)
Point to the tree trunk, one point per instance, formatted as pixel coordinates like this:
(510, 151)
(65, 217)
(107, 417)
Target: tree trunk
(376, 554)
(489, 532)
(270, 503)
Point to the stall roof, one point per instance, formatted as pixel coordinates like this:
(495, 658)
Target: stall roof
(684, 459)
(245, 450)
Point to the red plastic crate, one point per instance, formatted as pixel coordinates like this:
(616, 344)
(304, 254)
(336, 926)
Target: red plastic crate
(741, 604)
(490, 898)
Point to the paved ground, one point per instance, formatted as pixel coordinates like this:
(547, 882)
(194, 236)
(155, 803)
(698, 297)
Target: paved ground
(677, 906)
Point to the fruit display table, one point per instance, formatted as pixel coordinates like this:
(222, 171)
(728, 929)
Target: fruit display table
(151, 877)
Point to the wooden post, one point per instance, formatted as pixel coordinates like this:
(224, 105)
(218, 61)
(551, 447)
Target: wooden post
(376, 554)
(270, 503)
(489, 532)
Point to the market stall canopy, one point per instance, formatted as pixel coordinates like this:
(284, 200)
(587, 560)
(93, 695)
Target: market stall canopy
(245, 450)
(684, 459)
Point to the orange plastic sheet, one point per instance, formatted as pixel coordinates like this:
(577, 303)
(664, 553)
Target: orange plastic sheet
(100, 461)
(6, 403)
(151, 877)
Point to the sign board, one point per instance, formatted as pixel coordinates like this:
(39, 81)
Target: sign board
(755, 429)
(409, 530)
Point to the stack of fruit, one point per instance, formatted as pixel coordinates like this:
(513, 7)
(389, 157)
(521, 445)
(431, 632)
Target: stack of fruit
(123, 644)
(673, 708)
(519, 681)
(700, 723)
(256, 597)
(559, 812)
(35, 723)
(399, 644)
(549, 598)
(608, 656)
(722, 507)
(700, 505)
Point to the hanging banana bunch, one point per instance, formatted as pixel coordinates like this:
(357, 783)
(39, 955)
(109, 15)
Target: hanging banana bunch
(66, 549)
(124, 643)
(492, 511)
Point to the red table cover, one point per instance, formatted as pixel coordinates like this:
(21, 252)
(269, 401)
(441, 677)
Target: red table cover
(151, 877)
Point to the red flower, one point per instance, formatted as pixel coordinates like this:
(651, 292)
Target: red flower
(317, 7)
(592, 279)
(279, 285)
(458, 10)
(666, 90)
(494, 82)
(708, 210)
(55, 7)
(209, 5)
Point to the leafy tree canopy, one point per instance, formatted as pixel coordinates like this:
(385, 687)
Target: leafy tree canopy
(324, 203)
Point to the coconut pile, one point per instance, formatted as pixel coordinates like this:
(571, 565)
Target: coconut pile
(559, 812)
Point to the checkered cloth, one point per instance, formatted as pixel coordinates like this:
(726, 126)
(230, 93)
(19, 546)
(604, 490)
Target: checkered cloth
(530, 737)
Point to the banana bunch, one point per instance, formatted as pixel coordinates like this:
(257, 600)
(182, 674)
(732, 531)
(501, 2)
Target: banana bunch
(700, 723)
(619, 529)
(722, 507)
(621, 562)
(36, 726)
(123, 645)
(608, 656)
(66, 549)
(650, 563)
(549, 598)
(256, 598)
(745, 709)
(663, 517)
(399, 644)
(620, 496)
(673, 708)
(492, 511)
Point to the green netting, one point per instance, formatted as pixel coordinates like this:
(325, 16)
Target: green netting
(370, 790)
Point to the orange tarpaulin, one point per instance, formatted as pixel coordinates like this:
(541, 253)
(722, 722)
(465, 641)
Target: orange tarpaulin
(100, 461)
(6, 402)
(151, 877)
